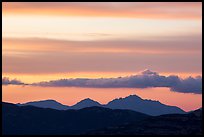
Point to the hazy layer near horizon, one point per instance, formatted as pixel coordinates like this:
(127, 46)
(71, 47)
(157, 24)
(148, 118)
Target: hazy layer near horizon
(72, 95)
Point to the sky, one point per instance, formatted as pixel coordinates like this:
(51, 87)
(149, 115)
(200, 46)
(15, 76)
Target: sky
(51, 45)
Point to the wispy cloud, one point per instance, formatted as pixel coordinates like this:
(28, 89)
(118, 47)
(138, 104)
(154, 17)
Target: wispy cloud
(7, 81)
(160, 10)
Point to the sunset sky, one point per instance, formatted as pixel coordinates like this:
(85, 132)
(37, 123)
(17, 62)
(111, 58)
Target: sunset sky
(46, 42)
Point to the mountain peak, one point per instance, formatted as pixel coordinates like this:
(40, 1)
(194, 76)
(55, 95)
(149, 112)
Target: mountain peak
(130, 97)
(48, 100)
(150, 107)
(85, 103)
(148, 72)
(49, 103)
(87, 100)
(133, 96)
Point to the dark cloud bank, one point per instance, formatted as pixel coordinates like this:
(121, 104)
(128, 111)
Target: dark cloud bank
(144, 80)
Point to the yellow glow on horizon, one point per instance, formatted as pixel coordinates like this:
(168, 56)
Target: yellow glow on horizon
(88, 28)
(72, 95)
(30, 78)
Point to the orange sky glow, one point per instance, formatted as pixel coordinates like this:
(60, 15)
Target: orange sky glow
(51, 41)
(129, 10)
(71, 95)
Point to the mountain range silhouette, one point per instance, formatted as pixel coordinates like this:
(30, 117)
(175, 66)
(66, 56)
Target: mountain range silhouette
(132, 102)
(31, 120)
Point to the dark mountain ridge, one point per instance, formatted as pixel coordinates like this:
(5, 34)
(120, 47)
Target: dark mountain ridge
(30, 120)
(131, 102)
(170, 124)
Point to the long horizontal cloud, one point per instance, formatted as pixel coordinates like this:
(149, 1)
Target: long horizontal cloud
(111, 9)
(192, 44)
(144, 80)
(7, 81)
(61, 56)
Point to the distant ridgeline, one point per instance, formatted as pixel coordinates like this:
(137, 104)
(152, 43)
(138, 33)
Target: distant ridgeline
(131, 102)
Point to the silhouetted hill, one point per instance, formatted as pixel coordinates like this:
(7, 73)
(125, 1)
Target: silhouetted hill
(171, 124)
(30, 120)
(85, 103)
(46, 104)
(138, 104)
(131, 102)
